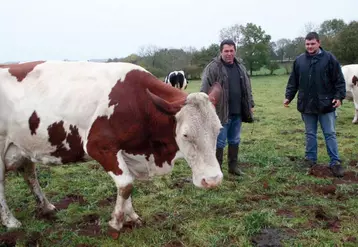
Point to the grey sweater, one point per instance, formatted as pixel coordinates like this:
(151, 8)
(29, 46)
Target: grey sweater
(215, 71)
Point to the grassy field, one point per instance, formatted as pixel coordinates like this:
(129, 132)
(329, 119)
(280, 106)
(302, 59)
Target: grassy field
(278, 198)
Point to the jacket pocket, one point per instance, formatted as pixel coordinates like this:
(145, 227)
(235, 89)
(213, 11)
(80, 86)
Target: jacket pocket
(325, 103)
(300, 102)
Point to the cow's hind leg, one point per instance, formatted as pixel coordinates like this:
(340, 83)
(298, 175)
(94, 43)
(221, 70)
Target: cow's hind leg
(123, 210)
(7, 218)
(30, 176)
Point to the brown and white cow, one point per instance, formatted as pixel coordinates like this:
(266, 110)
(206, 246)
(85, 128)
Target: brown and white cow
(118, 114)
(350, 73)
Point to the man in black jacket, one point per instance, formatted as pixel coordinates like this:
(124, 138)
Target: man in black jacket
(317, 76)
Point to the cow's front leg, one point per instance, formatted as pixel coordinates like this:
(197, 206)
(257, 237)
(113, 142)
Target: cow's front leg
(30, 176)
(123, 210)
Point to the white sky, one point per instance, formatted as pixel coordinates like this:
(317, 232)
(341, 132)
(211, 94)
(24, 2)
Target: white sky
(87, 29)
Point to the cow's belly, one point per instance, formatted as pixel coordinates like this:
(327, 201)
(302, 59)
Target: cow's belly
(143, 168)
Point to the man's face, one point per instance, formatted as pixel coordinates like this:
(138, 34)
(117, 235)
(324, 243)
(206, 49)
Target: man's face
(228, 53)
(312, 46)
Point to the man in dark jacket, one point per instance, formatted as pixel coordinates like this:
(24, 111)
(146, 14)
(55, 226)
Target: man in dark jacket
(317, 76)
(236, 103)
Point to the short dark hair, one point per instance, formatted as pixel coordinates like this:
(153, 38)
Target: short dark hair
(227, 42)
(312, 35)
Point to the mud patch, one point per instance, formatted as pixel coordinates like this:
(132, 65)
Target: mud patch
(353, 163)
(106, 202)
(89, 226)
(285, 212)
(329, 222)
(326, 189)
(256, 198)
(9, 239)
(180, 183)
(293, 158)
(350, 177)
(267, 237)
(160, 216)
(320, 171)
(71, 198)
(34, 240)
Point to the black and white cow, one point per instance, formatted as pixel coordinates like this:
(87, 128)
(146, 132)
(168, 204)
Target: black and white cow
(177, 79)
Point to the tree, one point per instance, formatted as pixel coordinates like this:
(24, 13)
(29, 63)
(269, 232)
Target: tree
(255, 47)
(309, 27)
(346, 46)
(328, 32)
(232, 32)
(281, 46)
(331, 28)
(149, 52)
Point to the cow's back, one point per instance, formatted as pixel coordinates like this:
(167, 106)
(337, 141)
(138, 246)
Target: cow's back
(54, 102)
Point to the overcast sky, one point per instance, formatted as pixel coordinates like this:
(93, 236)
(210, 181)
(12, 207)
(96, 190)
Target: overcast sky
(87, 29)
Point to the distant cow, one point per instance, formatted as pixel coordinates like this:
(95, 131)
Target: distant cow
(177, 79)
(350, 73)
(118, 114)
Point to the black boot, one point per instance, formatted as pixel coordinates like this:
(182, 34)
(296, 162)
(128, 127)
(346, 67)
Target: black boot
(232, 155)
(219, 156)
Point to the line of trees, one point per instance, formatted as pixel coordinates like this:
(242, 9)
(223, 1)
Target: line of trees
(255, 48)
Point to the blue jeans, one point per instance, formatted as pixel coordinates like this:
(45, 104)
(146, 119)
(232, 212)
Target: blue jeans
(230, 131)
(327, 122)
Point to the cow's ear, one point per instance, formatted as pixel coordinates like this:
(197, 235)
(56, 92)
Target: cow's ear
(215, 93)
(170, 108)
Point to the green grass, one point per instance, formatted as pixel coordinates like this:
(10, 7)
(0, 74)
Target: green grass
(275, 193)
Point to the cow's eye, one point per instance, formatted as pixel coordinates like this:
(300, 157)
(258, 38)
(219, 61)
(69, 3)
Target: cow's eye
(185, 135)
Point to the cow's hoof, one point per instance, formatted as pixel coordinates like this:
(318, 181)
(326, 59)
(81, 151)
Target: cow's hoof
(12, 223)
(115, 224)
(48, 209)
(355, 121)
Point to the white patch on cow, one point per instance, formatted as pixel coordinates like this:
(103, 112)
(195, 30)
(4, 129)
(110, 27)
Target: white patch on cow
(349, 71)
(143, 168)
(125, 178)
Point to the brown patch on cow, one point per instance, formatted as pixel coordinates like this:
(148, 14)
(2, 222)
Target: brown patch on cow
(34, 122)
(20, 71)
(136, 125)
(71, 198)
(57, 135)
(355, 80)
(126, 191)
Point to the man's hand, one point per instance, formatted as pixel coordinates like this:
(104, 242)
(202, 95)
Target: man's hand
(286, 102)
(336, 103)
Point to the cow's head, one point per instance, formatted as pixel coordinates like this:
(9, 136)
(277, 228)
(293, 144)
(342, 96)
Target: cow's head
(197, 129)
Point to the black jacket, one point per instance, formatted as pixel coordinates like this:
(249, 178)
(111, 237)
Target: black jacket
(318, 80)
